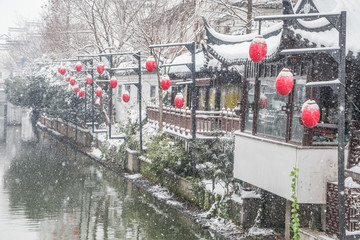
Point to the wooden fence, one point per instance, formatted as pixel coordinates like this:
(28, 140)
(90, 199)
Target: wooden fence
(208, 123)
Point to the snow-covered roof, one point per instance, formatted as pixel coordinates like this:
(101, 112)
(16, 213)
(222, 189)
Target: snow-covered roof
(232, 50)
(214, 37)
(322, 33)
(200, 62)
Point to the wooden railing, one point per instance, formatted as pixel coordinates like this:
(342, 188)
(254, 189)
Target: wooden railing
(208, 123)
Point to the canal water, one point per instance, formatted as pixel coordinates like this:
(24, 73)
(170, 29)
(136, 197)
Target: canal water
(50, 191)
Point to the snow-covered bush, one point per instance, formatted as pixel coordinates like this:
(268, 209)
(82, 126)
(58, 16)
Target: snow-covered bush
(42, 91)
(170, 154)
(214, 160)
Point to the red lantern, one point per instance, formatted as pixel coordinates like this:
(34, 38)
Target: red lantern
(126, 96)
(310, 113)
(258, 49)
(81, 92)
(165, 82)
(61, 70)
(284, 82)
(263, 101)
(98, 92)
(67, 79)
(88, 79)
(78, 66)
(100, 68)
(150, 64)
(113, 82)
(179, 100)
(76, 89)
(72, 81)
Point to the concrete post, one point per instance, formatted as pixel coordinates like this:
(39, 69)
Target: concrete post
(287, 219)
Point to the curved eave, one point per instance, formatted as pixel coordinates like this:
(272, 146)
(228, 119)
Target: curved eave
(214, 37)
(328, 38)
(237, 61)
(318, 25)
(238, 54)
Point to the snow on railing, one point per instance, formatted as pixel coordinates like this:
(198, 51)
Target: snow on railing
(207, 122)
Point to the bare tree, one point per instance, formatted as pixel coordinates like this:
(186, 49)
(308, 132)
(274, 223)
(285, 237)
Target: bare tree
(159, 22)
(239, 13)
(89, 26)
(24, 45)
(64, 34)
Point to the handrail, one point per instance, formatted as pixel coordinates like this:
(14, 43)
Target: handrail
(208, 122)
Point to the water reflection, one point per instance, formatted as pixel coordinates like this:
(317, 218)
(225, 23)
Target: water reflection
(53, 192)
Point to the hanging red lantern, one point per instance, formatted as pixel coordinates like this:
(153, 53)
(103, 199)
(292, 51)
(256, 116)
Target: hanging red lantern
(310, 113)
(61, 70)
(179, 100)
(165, 82)
(98, 92)
(100, 68)
(263, 102)
(150, 64)
(78, 66)
(113, 82)
(67, 79)
(284, 82)
(76, 89)
(72, 81)
(88, 79)
(126, 96)
(81, 92)
(258, 49)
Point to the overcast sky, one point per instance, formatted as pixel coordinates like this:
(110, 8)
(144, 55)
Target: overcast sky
(11, 11)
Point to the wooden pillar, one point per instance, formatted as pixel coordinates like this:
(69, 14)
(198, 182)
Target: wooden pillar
(289, 114)
(244, 99)
(308, 132)
(256, 99)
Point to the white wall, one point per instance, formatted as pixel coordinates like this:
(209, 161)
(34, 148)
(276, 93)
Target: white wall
(2, 96)
(122, 108)
(267, 164)
(14, 114)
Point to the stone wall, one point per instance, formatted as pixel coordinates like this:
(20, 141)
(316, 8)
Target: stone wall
(78, 135)
(243, 213)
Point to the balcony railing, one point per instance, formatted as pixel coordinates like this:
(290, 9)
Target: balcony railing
(208, 123)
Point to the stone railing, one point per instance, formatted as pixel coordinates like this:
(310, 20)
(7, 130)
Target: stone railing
(208, 123)
(77, 134)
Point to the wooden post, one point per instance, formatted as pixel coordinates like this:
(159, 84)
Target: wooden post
(289, 114)
(244, 100)
(256, 98)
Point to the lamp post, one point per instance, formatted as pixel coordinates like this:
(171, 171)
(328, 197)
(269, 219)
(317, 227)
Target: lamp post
(76, 89)
(90, 80)
(113, 82)
(190, 46)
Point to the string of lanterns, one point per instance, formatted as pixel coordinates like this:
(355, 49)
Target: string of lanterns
(310, 113)
(164, 82)
(257, 52)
